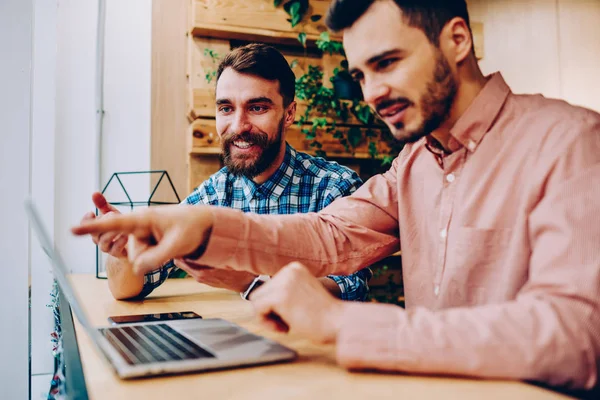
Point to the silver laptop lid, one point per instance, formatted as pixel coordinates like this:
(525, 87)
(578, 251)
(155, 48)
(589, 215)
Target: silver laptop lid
(58, 266)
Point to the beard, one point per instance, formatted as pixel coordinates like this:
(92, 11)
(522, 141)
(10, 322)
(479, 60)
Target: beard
(250, 166)
(435, 103)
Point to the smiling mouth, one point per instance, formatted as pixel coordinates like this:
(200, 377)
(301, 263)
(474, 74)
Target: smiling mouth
(242, 144)
(391, 111)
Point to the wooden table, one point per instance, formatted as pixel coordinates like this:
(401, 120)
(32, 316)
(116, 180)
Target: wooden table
(314, 375)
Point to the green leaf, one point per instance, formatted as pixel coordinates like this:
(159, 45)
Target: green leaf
(373, 149)
(296, 20)
(302, 38)
(315, 18)
(294, 63)
(364, 115)
(354, 136)
(387, 160)
(276, 3)
(320, 153)
(324, 36)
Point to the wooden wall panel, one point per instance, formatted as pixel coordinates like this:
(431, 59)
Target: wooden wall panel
(201, 92)
(202, 166)
(168, 98)
(256, 15)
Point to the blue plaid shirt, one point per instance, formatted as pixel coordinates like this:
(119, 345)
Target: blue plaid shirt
(301, 184)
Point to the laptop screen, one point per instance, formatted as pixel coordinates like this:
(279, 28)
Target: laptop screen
(58, 266)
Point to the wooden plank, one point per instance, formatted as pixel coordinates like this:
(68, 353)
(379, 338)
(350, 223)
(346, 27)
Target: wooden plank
(202, 166)
(201, 91)
(201, 64)
(250, 34)
(205, 140)
(168, 97)
(254, 17)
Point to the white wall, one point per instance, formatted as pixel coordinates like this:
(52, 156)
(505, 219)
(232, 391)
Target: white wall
(63, 163)
(543, 46)
(16, 18)
(126, 138)
(75, 127)
(579, 49)
(42, 178)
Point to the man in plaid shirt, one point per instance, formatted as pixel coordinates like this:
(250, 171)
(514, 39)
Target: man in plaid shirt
(262, 173)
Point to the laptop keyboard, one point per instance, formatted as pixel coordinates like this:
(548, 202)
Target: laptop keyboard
(145, 344)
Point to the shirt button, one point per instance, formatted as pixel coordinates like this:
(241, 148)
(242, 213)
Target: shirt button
(443, 233)
(436, 290)
(450, 178)
(472, 145)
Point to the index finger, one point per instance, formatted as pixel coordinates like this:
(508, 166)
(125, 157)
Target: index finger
(124, 223)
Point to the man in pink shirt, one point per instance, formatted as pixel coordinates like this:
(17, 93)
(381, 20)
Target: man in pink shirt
(494, 201)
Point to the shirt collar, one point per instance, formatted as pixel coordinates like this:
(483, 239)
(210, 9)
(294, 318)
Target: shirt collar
(479, 116)
(276, 184)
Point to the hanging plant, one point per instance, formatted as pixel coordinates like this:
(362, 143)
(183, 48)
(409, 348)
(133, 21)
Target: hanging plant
(340, 99)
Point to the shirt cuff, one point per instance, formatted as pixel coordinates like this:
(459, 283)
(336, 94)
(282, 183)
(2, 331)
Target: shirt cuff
(368, 336)
(227, 232)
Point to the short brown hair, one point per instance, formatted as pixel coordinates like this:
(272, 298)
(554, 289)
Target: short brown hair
(265, 62)
(430, 16)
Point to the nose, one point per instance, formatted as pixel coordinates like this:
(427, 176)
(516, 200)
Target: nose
(240, 123)
(374, 91)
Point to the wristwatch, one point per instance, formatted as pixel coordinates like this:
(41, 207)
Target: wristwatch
(259, 280)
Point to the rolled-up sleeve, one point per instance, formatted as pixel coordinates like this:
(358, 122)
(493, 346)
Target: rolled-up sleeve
(351, 233)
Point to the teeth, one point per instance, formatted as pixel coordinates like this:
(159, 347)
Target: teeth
(242, 144)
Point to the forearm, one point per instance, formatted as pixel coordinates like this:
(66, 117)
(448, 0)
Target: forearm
(549, 340)
(325, 243)
(122, 281)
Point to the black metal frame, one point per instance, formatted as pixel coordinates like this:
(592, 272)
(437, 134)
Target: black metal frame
(132, 203)
(75, 385)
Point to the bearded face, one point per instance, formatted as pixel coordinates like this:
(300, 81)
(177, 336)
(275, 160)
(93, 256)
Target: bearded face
(251, 153)
(251, 120)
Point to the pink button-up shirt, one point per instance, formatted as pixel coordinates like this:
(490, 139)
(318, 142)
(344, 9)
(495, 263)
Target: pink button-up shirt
(500, 246)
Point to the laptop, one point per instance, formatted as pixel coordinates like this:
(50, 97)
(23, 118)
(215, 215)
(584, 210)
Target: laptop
(158, 348)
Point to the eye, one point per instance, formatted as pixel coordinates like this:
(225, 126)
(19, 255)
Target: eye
(225, 109)
(383, 64)
(258, 109)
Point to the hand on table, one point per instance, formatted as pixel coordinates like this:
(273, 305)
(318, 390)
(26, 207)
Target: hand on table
(294, 300)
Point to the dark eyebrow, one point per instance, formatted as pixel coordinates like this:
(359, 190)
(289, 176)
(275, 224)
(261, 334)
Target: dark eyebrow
(260, 100)
(255, 100)
(376, 58)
